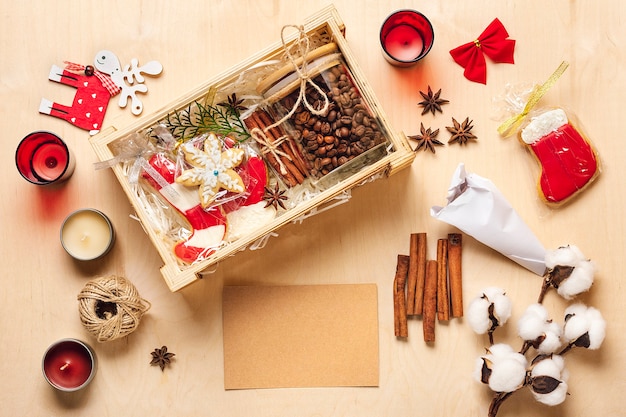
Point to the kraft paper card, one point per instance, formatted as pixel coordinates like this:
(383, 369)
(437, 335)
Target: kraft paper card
(300, 336)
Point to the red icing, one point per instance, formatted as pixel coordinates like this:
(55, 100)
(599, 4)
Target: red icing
(254, 174)
(568, 163)
(198, 218)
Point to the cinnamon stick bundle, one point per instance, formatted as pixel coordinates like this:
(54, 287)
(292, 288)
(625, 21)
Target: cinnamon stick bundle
(430, 301)
(443, 300)
(455, 246)
(417, 270)
(294, 170)
(399, 297)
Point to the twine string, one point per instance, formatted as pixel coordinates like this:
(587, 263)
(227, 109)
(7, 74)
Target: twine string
(130, 307)
(302, 46)
(271, 147)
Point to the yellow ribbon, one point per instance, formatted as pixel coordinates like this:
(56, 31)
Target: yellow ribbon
(512, 124)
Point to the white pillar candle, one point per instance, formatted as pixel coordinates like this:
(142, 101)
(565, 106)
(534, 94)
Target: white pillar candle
(87, 234)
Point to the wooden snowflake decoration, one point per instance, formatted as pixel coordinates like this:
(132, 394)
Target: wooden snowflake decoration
(212, 169)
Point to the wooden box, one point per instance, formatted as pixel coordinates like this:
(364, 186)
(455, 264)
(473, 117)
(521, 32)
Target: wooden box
(321, 192)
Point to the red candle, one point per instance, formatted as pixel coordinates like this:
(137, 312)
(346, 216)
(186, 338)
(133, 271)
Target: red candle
(43, 158)
(69, 364)
(406, 36)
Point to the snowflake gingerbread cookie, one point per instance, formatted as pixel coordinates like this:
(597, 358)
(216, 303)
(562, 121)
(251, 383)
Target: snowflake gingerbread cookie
(220, 196)
(212, 169)
(95, 85)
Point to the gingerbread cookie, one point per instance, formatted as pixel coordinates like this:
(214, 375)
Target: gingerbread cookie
(212, 169)
(568, 161)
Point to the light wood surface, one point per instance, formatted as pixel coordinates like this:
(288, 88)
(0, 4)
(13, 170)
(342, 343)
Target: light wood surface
(356, 242)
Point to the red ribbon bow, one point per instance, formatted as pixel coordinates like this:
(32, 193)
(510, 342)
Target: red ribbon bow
(105, 79)
(492, 42)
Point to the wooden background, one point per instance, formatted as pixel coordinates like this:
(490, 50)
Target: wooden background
(354, 243)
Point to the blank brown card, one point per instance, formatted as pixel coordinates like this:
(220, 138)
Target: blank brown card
(300, 336)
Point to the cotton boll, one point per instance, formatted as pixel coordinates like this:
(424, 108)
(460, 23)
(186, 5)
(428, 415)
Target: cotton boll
(501, 303)
(597, 330)
(500, 350)
(478, 315)
(576, 323)
(565, 256)
(507, 376)
(532, 323)
(579, 281)
(502, 308)
(553, 367)
(581, 319)
(478, 369)
(508, 368)
(556, 397)
(552, 340)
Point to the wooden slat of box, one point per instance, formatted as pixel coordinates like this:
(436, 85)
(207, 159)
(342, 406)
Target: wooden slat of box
(401, 156)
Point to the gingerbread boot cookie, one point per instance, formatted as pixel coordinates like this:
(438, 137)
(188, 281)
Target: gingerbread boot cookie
(568, 161)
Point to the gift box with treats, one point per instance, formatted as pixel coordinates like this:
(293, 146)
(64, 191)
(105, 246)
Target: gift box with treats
(285, 134)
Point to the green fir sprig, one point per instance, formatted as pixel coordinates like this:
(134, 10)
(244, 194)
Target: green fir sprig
(198, 117)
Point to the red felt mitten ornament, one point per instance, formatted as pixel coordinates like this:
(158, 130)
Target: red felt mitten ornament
(95, 85)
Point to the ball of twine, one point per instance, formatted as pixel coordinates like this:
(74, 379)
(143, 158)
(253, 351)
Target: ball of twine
(110, 307)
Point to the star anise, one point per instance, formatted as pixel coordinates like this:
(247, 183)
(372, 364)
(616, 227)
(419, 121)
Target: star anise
(461, 132)
(432, 102)
(234, 104)
(427, 139)
(275, 197)
(161, 357)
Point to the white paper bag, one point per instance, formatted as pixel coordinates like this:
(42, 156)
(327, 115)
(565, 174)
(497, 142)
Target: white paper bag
(477, 208)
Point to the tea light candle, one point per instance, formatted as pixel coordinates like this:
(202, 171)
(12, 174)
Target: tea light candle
(87, 234)
(406, 36)
(43, 158)
(69, 365)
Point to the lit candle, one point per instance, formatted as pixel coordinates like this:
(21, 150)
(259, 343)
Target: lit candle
(87, 234)
(43, 158)
(69, 364)
(406, 36)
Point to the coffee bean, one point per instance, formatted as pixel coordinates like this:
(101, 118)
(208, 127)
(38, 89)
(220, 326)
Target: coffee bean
(346, 129)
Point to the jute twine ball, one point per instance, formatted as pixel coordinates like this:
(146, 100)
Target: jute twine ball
(110, 307)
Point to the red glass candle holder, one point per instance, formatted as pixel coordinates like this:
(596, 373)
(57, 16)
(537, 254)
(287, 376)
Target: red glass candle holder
(69, 365)
(406, 37)
(43, 158)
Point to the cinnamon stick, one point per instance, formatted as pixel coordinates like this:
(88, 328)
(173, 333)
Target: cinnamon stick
(430, 301)
(420, 273)
(399, 297)
(252, 123)
(455, 245)
(412, 275)
(275, 133)
(443, 300)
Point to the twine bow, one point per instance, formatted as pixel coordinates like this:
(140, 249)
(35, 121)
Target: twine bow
(105, 79)
(302, 44)
(492, 42)
(512, 124)
(269, 146)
